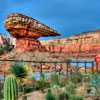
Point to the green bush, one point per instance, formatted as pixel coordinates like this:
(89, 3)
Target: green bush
(1, 95)
(42, 84)
(54, 79)
(49, 95)
(76, 77)
(70, 88)
(88, 90)
(63, 96)
(77, 98)
(4, 48)
(29, 89)
(62, 80)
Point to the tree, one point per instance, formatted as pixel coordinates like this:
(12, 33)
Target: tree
(19, 70)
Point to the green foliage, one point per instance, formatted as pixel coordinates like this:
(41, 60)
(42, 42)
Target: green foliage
(19, 71)
(1, 89)
(75, 77)
(32, 78)
(62, 80)
(88, 90)
(3, 48)
(77, 98)
(24, 97)
(70, 88)
(42, 84)
(29, 89)
(1, 96)
(49, 95)
(54, 79)
(63, 96)
(95, 81)
(10, 89)
(55, 86)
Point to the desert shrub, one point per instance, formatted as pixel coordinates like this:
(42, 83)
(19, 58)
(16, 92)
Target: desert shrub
(70, 88)
(77, 98)
(42, 84)
(63, 96)
(49, 95)
(76, 77)
(88, 90)
(29, 89)
(32, 79)
(62, 80)
(54, 79)
(19, 70)
(4, 48)
(1, 96)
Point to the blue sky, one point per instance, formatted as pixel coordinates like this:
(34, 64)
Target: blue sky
(69, 17)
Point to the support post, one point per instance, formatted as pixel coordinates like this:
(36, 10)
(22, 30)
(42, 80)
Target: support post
(97, 67)
(67, 69)
(40, 69)
(92, 67)
(77, 68)
(4, 76)
(55, 66)
(85, 67)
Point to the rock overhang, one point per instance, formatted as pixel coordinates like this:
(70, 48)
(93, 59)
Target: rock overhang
(29, 26)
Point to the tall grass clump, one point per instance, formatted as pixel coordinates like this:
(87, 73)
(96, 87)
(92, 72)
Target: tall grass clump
(49, 95)
(54, 79)
(77, 98)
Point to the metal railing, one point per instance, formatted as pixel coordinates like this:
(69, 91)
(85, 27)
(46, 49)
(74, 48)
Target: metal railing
(67, 62)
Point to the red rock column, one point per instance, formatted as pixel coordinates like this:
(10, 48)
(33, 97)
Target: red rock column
(29, 44)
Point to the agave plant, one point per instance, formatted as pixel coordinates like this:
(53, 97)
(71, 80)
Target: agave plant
(19, 71)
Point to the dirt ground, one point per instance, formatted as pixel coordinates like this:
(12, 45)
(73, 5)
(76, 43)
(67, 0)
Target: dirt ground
(37, 95)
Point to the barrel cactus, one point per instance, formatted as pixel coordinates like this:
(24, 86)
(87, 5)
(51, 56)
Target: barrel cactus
(10, 89)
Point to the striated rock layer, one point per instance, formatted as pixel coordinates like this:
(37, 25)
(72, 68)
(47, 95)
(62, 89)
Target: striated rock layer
(4, 39)
(27, 30)
(82, 45)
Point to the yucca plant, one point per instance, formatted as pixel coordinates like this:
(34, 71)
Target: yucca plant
(19, 71)
(10, 89)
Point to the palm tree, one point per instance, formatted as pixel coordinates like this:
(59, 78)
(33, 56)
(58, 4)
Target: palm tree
(19, 71)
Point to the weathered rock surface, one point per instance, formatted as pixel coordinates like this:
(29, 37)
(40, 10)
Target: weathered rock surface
(82, 45)
(26, 30)
(4, 39)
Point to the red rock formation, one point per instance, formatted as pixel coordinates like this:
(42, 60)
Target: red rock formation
(83, 45)
(26, 30)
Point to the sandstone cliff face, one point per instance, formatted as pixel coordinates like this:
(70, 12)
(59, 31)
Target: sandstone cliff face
(86, 43)
(4, 39)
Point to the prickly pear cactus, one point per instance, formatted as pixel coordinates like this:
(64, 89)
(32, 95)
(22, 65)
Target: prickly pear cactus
(10, 89)
(96, 83)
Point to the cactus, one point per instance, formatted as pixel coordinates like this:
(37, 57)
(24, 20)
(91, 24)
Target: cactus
(10, 89)
(96, 83)
(24, 97)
